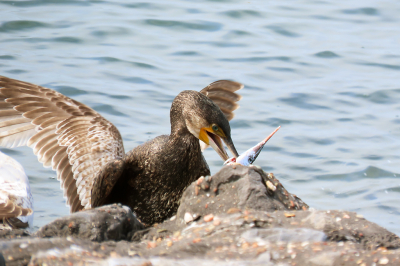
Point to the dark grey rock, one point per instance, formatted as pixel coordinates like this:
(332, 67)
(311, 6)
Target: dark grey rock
(20, 251)
(280, 237)
(13, 234)
(233, 218)
(111, 222)
(2, 260)
(261, 235)
(236, 187)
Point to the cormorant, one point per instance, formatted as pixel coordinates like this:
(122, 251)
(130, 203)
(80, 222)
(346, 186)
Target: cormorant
(87, 151)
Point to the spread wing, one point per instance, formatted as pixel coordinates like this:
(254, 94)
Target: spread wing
(64, 134)
(223, 93)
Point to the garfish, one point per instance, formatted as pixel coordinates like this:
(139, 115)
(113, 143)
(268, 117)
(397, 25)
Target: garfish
(249, 156)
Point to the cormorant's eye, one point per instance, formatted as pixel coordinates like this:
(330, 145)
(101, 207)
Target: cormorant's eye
(215, 128)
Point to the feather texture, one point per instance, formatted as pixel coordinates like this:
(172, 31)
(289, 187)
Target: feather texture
(65, 134)
(222, 93)
(16, 202)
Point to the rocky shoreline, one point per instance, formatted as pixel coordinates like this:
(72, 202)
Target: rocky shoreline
(239, 216)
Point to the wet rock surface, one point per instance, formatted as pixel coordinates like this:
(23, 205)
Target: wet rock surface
(240, 216)
(112, 222)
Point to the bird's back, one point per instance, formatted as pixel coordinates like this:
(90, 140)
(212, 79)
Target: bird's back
(156, 174)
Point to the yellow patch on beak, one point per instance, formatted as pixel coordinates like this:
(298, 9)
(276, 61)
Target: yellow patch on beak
(203, 136)
(212, 136)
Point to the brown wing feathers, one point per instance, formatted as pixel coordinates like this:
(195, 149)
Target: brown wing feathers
(68, 136)
(10, 209)
(222, 93)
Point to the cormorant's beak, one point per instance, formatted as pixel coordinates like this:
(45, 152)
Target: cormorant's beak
(215, 142)
(229, 143)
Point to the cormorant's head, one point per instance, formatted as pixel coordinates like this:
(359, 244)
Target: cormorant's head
(205, 120)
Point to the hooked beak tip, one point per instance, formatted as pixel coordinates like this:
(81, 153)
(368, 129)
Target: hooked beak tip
(231, 147)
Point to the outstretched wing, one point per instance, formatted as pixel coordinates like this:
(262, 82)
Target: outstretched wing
(223, 93)
(65, 134)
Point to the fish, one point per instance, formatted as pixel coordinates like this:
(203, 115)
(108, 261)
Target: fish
(249, 156)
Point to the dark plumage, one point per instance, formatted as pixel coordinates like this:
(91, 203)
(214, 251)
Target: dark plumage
(154, 175)
(87, 152)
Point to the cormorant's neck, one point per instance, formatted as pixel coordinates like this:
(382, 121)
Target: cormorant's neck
(181, 140)
(178, 124)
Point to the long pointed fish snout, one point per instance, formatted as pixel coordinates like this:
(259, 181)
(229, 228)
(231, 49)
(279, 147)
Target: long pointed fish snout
(249, 156)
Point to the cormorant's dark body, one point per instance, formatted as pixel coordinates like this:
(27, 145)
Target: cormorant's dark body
(153, 185)
(151, 178)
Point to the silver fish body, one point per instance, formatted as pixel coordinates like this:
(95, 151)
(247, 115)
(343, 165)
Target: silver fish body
(249, 156)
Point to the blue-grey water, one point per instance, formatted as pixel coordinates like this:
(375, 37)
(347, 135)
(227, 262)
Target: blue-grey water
(328, 72)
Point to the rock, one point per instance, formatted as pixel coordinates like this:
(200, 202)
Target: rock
(13, 234)
(2, 260)
(240, 216)
(255, 218)
(236, 187)
(20, 251)
(110, 222)
(247, 233)
(263, 236)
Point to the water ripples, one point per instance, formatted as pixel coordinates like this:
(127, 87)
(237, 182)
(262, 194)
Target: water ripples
(326, 72)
